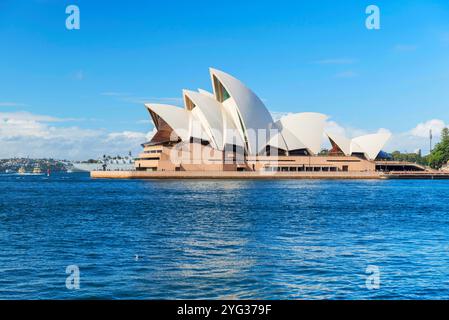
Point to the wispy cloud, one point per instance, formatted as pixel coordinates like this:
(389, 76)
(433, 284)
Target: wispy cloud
(336, 61)
(28, 116)
(78, 75)
(405, 48)
(114, 94)
(134, 99)
(12, 104)
(276, 115)
(143, 122)
(346, 74)
(143, 100)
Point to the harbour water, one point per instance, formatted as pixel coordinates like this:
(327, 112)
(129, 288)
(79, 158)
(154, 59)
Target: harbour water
(280, 239)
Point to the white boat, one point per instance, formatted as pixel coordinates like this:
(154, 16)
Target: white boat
(106, 163)
(37, 170)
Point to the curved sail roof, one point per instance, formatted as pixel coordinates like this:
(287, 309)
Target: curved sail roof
(234, 115)
(246, 109)
(207, 93)
(277, 141)
(230, 135)
(210, 114)
(342, 142)
(372, 144)
(303, 130)
(177, 118)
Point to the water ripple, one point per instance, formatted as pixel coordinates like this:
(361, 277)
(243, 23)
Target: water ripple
(222, 239)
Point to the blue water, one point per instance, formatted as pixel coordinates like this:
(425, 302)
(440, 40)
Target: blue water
(222, 239)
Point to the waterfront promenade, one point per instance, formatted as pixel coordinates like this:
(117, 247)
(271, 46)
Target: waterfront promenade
(232, 175)
(264, 175)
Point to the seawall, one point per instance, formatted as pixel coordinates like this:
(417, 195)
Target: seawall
(232, 175)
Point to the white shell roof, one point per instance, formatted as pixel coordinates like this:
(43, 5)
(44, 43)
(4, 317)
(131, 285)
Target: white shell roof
(342, 142)
(251, 109)
(370, 144)
(303, 130)
(210, 115)
(276, 141)
(197, 128)
(177, 118)
(207, 93)
(243, 114)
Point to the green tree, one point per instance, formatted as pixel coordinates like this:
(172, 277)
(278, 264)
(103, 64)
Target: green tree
(440, 154)
(409, 157)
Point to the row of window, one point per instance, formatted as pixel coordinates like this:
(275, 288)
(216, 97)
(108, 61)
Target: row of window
(153, 151)
(147, 159)
(302, 169)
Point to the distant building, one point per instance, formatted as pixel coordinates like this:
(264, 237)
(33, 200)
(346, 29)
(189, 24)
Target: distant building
(230, 129)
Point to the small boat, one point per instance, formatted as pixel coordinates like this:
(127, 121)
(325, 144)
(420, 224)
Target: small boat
(21, 170)
(37, 170)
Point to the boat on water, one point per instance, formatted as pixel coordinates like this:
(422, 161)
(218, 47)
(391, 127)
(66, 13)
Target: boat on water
(37, 170)
(21, 170)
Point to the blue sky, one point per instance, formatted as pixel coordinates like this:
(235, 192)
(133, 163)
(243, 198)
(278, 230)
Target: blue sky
(296, 55)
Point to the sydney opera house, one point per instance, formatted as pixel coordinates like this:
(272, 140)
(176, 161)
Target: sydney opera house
(230, 129)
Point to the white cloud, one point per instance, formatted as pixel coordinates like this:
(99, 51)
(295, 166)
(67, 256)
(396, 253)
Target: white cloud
(126, 135)
(27, 116)
(335, 128)
(423, 129)
(276, 115)
(24, 134)
(350, 132)
(418, 137)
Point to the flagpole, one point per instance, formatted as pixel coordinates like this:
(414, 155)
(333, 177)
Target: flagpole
(430, 138)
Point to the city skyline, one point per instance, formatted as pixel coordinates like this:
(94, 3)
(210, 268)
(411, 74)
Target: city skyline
(76, 93)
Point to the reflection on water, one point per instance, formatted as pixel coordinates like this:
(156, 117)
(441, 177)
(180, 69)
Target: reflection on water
(222, 239)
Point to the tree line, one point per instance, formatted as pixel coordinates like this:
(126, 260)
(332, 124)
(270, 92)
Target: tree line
(436, 159)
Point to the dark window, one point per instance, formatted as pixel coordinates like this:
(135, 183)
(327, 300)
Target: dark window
(359, 155)
(298, 152)
(220, 91)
